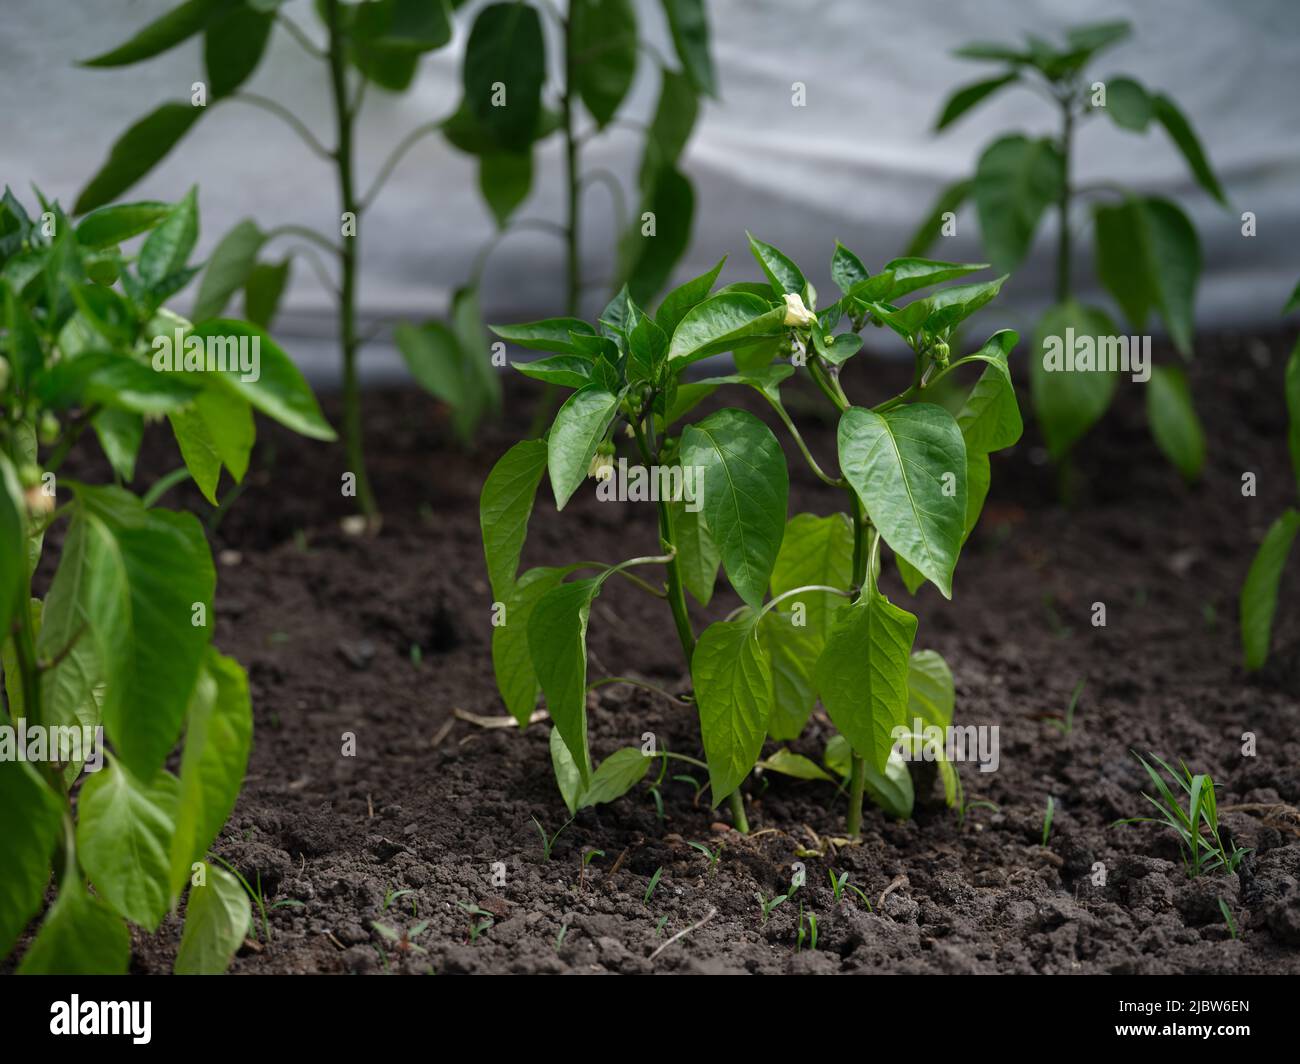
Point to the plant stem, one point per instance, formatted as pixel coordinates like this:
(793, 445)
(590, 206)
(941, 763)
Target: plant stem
(344, 118)
(737, 804)
(1063, 247)
(857, 784)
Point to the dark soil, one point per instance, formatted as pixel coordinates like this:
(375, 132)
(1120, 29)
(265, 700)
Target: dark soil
(326, 623)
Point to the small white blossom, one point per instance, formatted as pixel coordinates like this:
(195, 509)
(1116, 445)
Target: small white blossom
(796, 313)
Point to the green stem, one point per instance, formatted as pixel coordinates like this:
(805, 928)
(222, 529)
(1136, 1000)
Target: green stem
(737, 804)
(343, 117)
(1063, 247)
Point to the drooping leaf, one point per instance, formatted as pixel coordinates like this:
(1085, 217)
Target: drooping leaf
(164, 33)
(505, 505)
(557, 643)
(217, 918)
(745, 487)
(648, 258)
(30, 821)
(1015, 180)
(689, 26)
(505, 179)
(788, 763)
(698, 557)
(1185, 139)
(1173, 420)
(792, 652)
(908, 466)
(1128, 104)
(136, 152)
(733, 690)
(233, 45)
(931, 694)
(228, 269)
(504, 68)
(1260, 591)
(512, 663)
(579, 427)
(80, 935)
(615, 776)
(435, 360)
(604, 44)
(948, 201)
(990, 418)
(263, 289)
(1068, 402)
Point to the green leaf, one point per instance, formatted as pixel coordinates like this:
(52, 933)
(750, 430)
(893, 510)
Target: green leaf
(1128, 104)
(684, 298)
(675, 114)
(581, 424)
(512, 663)
(791, 764)
(233, 46)
(1068, 402)
(745, 487)
(167, 249)
(263, 289)
(968, 96)
(648, 260)
(647, 347)
(505, 179)
(931, 694)
(1259, 593)
(506, 52)
(948, 201)
(908, 466)
(990, 418)
(1291, 386)
(567, 777)
(120, 434)
(280, 392)
(151, 569)
(782, 274)
(557, 644)
(862, 675)
(136, 152)
(733, 690)
(26, 356)
(604, 46)
(891, 790)
(1015, 180)
(434, 358)
(505, 505)
(218, 738)
(793, 651)
(909, 274)
(724, 322)
(815, 550)
(846, 268)
(1173, 419)
(484, 391)
(108, 226)
(951, 306)
(228, 269)
(568, 371)
(1184, 138)
(13, 545)
(689, 26)
(31, 817)
(1092, 37)
(698, 557)
(164, 33)
(80, 935)
(217, 917)
(124, 831)
(553, 334)
(616, 775)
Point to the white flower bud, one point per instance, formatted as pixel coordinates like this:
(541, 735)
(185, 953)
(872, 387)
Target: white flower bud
(796, 314)
(602, 466)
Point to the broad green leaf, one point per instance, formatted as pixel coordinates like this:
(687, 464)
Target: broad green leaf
(1174, 259)
(152, 570)
(228, 269)
(990, 418)
(1068, 402)
(846, 268)
(136, 152)
(31, 818)
(815, 550)
(931, 694)
(793, 651)
(698, 557)
(164, 33)
(410, 26)
(557, 644)
(217, 917)
(788, 763)
(167, 249)
(218, 738)
(505, 54)
(567, 777)
(674, 118)
(229, 422)
(684, 298)
(505, 505)
(109, 226)
(233, 46)
(80, 935)
(512, 664)
(892, 789)
(862, 675)
(1184, 138)
(724, 322)
(552, 335)
(579, 427)
(647, 347)
(1123, 264)
(604, 44)
(120, 435)
(948, 201)
(733, 690)
(909, 274)
(1173, 420)
(782, 274)
(966, 97)
(1015, 180)
(1259, 593)
(689, 26)
(263, 289)
(23, 349)
(434, 358)
(505, 179)
(280, 391)
(951, 306)
(124, 832)
(1128, 104)
(745, 487)
(908, 466)
(648, 258)
(568, 371)
(616, 775)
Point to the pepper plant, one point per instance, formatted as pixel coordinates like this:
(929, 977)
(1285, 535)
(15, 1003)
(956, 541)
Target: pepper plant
(815, 621)
(1259, 593)
(1147, 252)
(380, 43)
(123, 638)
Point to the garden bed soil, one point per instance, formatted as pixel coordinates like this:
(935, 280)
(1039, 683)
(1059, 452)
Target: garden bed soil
(431, 803)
